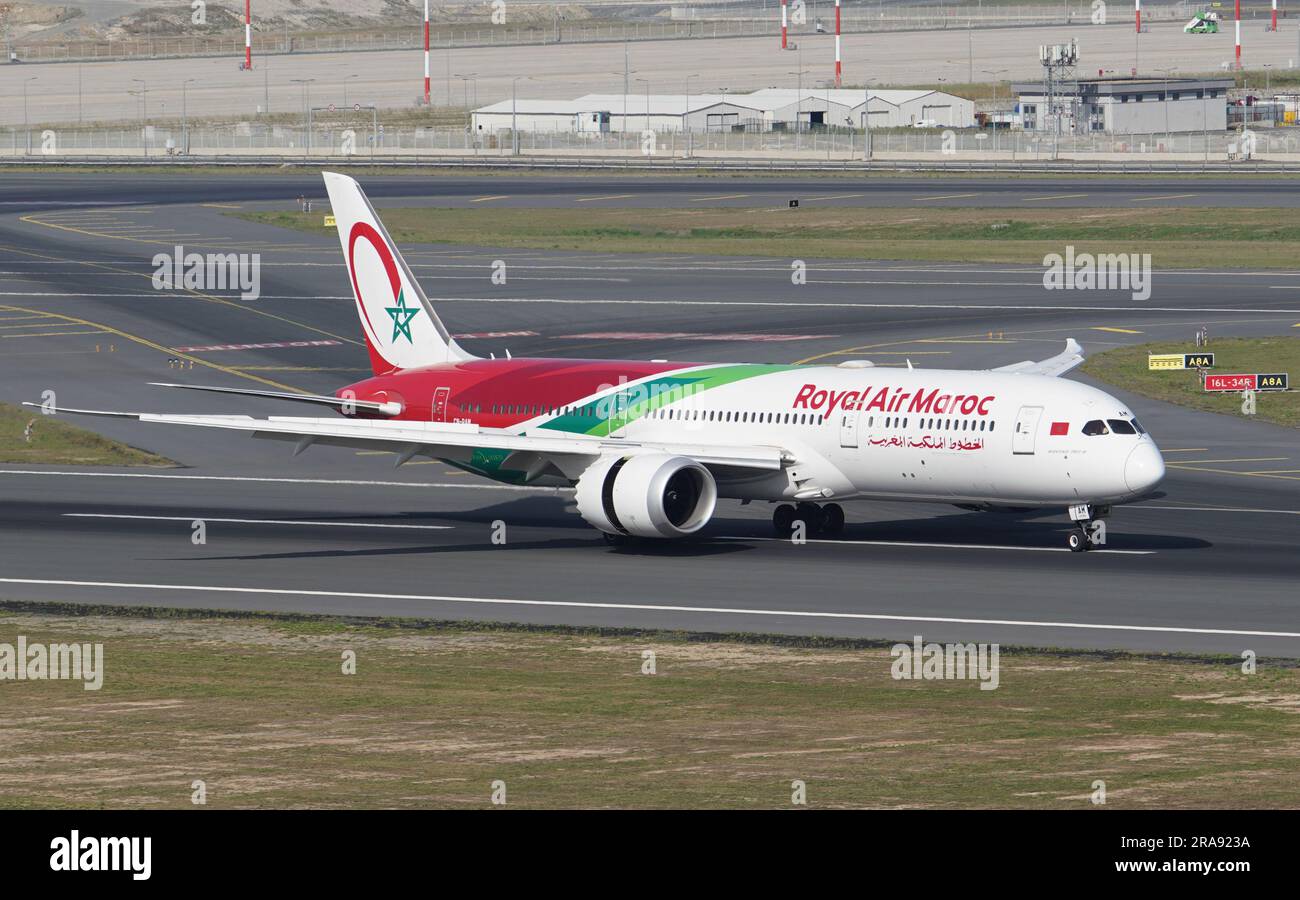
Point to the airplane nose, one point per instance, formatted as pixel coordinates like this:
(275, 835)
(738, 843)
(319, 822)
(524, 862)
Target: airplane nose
(1144, 468)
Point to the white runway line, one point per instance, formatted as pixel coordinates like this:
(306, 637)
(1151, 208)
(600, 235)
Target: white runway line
(937, 546)
(171, 295)
(1227, 509)
(846, 542)
(650, 607)
(203, 518)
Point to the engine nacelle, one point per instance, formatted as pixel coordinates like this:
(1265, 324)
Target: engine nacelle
(650, 495)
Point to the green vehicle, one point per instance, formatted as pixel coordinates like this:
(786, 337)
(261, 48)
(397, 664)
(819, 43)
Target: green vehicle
(1203, 23)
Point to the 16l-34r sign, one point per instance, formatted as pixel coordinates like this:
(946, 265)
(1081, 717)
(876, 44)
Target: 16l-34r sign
(1274, 381)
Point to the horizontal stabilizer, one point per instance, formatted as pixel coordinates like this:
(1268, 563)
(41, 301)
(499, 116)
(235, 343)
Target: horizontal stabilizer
(387, 408)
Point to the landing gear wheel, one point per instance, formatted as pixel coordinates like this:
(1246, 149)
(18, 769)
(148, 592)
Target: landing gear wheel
(1078, 543)
(832, 518)
(814, 519)
(783, 520)
(1093, 533)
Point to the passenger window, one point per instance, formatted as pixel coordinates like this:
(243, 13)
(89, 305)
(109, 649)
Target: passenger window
(1119, 426)
(1095, 427)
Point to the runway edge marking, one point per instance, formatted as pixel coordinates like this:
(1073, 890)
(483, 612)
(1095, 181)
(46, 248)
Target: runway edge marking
(651, 607)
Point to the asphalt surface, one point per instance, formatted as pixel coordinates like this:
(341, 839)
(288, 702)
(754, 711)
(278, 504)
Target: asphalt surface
(52, 191)
(1209, 566)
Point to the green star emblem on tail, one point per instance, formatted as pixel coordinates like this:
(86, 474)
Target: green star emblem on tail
(402, 316)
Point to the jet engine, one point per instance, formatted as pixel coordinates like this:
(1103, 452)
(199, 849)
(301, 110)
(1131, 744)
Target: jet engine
(650, 495)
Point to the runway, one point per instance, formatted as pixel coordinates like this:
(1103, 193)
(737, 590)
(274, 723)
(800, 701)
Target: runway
(66, 192)
(1210, 566)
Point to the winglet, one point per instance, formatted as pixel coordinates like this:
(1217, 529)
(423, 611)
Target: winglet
(1069, 358)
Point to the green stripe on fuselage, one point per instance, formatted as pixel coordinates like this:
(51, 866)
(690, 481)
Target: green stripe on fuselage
(636, 399)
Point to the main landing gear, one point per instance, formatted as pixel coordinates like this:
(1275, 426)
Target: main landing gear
(827, 519)
(1089, 531)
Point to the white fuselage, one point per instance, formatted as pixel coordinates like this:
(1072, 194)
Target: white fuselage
(981, 438)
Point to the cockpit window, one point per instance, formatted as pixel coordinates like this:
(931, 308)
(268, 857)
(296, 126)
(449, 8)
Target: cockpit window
(1096, 426)
(1138, 426)
(1119, 426)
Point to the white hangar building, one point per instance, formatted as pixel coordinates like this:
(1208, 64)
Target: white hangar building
(770, 109)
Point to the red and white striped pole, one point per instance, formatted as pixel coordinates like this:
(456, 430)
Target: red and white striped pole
(426, 52)
(837, 43)
(1139, 16)
(1275, 15)
(248, 34)
(783, 24)
(1238, 28)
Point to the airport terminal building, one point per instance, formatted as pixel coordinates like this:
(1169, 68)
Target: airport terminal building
(1125, 105)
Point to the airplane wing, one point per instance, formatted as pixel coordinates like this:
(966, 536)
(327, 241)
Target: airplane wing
(570, 454)
(339, 403)
(1059, 364)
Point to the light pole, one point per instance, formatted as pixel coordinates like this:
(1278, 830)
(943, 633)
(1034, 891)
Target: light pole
(26, 130)
(144, 112)
(144, 95)
(1167, 73)
(686, 116)
(464, 83)
(625, 75)
(970, 53)
(306, 110)
(185, 122)
(798, 113)
(647, 102)
(866, 119)
(1205, 124)
(345, 88)
(514, 109)
(995, 73)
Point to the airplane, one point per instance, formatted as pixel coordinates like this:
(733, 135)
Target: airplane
(650, 447)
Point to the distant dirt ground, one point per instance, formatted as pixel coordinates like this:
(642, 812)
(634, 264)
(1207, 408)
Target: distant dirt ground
(261, 711)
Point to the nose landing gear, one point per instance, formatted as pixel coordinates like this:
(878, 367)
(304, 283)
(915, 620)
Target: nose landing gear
(1089, 531)
(826, 520)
